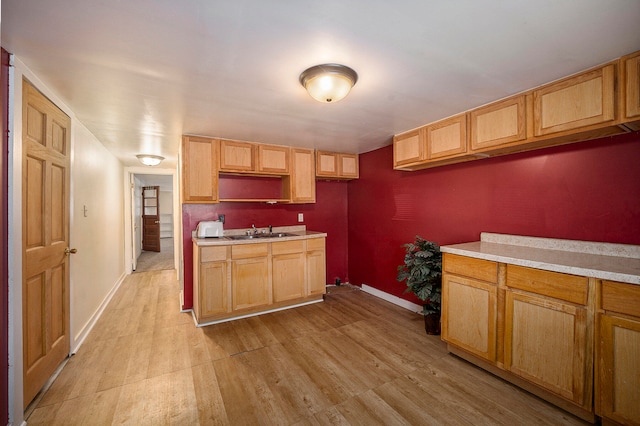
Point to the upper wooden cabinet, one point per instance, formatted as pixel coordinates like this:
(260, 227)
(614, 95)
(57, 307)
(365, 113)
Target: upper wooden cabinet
(599, 102)
(498, 124)
(199, 170)
(630, 70)
(237, 156)
(409, 148)
(272, 159)
(300, 185)
(576, 102)
(336, 165)
(447, 137)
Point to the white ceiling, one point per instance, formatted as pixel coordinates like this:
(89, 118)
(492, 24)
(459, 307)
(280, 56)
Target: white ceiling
(141, 73)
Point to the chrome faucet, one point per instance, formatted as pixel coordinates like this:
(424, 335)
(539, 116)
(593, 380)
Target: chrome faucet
(255, 230)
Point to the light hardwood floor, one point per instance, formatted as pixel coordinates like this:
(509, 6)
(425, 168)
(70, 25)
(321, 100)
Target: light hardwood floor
(353, 360)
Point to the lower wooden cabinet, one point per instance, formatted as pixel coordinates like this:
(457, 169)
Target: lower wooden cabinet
(316, 267)
(530, 326)
(288, 268)
(618, 353)
(237, 279)
(470, 318)
(250, 278)
(546, 343)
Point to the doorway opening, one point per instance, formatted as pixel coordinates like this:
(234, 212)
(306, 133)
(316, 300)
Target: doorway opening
(153, 223)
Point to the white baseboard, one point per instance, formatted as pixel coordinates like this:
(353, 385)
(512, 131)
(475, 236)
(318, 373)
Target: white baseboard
(392, 299)
(82, 335)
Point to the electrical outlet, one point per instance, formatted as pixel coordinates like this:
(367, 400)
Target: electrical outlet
(300, 217)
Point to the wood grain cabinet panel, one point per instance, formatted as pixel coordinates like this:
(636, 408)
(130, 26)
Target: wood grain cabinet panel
(631, 87)
(237, 156)
(273, 159)
(300, 185)
(618, 353)
(447, 137)
(288, 276)
(498, 124)
(545, 343)
(348, 166)
(336, 165)
(316, 267)
(210, 282)
(469, 320)
(251, 283)
(409, 148)
(576, 102)
(199, 170)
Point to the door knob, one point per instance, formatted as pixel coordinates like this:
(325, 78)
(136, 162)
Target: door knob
(157, 221)
(69, 251)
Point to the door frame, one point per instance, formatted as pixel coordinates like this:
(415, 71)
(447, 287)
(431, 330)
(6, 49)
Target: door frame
(129, 234)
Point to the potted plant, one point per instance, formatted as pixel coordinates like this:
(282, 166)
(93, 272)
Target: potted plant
(422, 272)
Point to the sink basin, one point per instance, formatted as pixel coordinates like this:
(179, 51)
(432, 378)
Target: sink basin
(260, 236)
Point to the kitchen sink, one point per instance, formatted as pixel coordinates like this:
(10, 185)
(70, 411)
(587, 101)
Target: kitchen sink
(260, 236)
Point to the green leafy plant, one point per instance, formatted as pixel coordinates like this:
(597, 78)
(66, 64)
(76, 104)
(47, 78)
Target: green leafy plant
(422, 271)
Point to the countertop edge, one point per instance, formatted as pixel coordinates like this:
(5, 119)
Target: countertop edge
(301, 235)
(530, 257)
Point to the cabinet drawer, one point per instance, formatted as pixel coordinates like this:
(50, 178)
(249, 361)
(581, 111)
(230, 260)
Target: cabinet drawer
(621, 298)
(213, 254)
(286, 247)
(570, 288)
(315, 244)
(480, 269)
(245, 251)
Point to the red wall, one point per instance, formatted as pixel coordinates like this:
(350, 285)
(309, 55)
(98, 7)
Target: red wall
(328, 214)
(584, 191)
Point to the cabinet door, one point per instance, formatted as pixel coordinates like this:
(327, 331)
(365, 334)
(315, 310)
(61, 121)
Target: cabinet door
(288, 276)
(631, 86)
(236, 156)
(447, 137)
(300, 186)
(213, 289)
(584, 100)
(273, 159)
(199, 170)
(469, 315)
(316, 266)
(619, 369)
(348, 166)
(409, 148)
(250, 282)
(326, 164)
(545, 342)
(498, 124)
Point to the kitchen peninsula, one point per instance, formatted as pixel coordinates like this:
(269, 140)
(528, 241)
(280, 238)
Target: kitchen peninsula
(250, 272)
(559, 318)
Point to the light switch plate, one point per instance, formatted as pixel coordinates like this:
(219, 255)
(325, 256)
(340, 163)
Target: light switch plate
(300, 217)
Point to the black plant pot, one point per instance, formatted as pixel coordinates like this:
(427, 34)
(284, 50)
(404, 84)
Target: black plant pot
(432, 324)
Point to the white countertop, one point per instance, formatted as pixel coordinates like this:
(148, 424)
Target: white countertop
(616, 262)
(299, 233)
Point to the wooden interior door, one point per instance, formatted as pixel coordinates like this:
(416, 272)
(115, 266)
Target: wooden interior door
(151, 218)
(45, 238)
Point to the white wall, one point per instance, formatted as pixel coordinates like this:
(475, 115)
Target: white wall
(97, 180)
(98, 267)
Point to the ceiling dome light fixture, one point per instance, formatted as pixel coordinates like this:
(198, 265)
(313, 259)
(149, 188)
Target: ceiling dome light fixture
(149, 160)
(328, 82)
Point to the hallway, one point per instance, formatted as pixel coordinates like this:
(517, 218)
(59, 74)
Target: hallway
(353, 359)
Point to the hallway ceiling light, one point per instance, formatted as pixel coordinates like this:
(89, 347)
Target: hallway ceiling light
(328, 82)
(150, 160)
